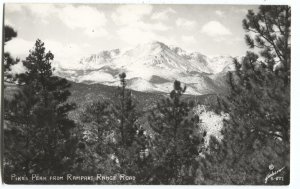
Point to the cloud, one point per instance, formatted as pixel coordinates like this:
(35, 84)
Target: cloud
(215, 28)
(188, 39)
(219, 13)
(42, 10)
(238, 39)
(132, 16)
(140, 32)
(8, 22)
(239, 10)
(67, 54)
(133, 28)
(18, 47)
(149, 26)
(39, 12)
(128, 14)
(12, 8)
(135, 36)
(87, 18)
(17, 68)
(163, 15)
(181, 22)
(158, 26)
(97, 32)
(221, 39)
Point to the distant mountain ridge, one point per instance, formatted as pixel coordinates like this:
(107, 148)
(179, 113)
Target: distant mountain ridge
(151, 67)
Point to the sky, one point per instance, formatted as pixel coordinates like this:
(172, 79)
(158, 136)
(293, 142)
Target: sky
(72, 31)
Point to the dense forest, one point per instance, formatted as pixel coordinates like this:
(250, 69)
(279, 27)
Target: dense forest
(163, 140)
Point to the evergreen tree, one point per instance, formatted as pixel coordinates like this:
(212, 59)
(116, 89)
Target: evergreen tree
(41, 109)
(98, 141)
(257, 135)
(132, 140)
(113, 137)
(271, 27)
(176, 140)
(125, 112)
(9, 34)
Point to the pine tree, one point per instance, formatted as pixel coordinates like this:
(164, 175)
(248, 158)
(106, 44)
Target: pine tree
(51, 90)
(125, 112)
(9, 34)
(132, 140)
(176, 139)
(41, 109)
(257, 134)
(113, 137)
(98, 141)
(271, 27)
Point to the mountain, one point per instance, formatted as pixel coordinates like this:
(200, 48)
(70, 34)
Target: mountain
(151, 67)
(83, 94)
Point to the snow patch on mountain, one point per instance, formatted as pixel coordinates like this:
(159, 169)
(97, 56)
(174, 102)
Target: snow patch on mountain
(96, 76)
(217, 64)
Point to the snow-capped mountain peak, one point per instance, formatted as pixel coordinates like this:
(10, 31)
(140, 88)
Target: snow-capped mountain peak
(147, 61)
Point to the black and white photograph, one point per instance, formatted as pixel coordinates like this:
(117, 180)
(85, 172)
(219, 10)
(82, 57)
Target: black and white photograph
(146, 94)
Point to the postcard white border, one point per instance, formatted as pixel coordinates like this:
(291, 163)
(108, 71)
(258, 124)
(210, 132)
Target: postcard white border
(295, 90)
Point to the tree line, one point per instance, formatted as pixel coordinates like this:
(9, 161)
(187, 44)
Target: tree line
(40, 138)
